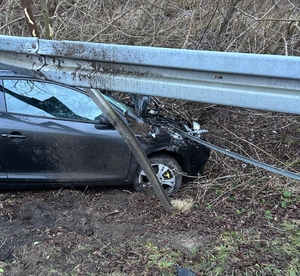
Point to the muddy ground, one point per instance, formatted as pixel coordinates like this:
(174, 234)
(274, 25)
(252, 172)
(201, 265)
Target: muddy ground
(237, 219)
(113, 231)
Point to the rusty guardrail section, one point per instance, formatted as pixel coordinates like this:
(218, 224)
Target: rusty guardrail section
(255, 81)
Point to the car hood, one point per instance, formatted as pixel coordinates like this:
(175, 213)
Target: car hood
(151, 126)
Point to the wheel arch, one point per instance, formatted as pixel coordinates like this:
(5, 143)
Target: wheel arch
(181, 160)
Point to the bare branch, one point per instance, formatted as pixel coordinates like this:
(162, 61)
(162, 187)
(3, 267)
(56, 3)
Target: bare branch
(48, 29)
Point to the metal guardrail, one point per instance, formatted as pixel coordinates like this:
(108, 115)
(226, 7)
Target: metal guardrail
(264, 82)
(242, 158)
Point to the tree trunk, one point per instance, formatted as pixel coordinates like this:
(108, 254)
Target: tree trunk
(26, 4)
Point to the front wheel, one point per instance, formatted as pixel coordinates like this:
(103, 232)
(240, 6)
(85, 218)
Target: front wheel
(167, 170)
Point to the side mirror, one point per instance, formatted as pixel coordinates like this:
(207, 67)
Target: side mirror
(103, 120)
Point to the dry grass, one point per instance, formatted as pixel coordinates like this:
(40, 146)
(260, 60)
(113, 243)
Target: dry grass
(223, 25)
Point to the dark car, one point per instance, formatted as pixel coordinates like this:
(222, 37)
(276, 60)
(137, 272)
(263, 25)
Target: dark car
(54, 135)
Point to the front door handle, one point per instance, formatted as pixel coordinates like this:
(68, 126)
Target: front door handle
(14, 135)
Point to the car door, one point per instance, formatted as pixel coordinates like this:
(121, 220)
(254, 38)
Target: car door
(51, 133)
(3, 175)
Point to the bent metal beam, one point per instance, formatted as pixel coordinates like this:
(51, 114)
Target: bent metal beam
(133, 143)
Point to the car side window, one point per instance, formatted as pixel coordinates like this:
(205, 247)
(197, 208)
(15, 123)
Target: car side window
(49, 100)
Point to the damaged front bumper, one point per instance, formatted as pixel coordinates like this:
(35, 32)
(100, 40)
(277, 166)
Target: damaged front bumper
(157, 134)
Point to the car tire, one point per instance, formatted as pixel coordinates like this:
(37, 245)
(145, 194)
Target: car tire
(167, 170)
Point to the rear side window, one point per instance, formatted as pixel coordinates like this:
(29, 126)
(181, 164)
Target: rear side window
(49, 100)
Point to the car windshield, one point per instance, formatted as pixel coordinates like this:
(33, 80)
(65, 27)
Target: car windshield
(123, 107)
(44, 99)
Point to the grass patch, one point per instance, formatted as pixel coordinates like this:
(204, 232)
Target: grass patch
(256, 232)
(253, 253)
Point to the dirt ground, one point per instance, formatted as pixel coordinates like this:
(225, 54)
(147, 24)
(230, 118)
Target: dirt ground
(102, 231)
(119, 232)
(237, 220)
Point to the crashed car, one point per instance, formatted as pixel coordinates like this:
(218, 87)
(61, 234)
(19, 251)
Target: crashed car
(55, 135)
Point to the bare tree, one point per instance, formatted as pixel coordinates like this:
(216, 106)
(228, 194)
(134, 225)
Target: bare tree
(222, 25)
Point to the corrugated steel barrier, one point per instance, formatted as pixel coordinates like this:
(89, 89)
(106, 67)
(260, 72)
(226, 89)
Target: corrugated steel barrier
(265, 82)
